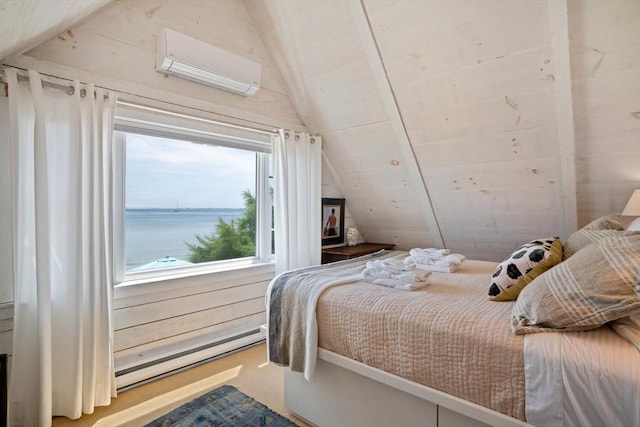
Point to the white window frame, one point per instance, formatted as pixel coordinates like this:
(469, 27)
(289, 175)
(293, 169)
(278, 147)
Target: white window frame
(152, 122)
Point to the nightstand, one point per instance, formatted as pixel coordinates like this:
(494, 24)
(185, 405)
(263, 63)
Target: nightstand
(348, 252)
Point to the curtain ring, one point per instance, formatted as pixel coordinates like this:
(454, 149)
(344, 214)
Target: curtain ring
(313, 140)
(71, 90)
(286, 135)
(83, 93)
(297, 138)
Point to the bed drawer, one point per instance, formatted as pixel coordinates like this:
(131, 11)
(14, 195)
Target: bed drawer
(339, 397)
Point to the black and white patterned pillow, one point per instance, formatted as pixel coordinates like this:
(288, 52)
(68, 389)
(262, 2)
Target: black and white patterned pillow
(522, 266)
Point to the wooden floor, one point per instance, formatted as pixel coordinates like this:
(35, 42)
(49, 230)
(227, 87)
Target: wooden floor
(247, 370)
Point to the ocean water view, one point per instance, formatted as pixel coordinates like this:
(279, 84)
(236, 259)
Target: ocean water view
(151, 234)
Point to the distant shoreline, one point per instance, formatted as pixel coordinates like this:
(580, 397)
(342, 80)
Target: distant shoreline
(184, 209)
(156, 233)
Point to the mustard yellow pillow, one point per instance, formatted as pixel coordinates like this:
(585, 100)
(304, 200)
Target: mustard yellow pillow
(522, 266)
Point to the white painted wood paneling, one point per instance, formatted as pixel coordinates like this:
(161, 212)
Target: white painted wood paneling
(337, 93)
(507, 113)
(155, 350)
(528, 72)
(146, 332)
(157, 320)
(605, 57)
(119, 44)
(479, 109)
(26, 24)
(478, 90)
(175, 307)
(166, 290)
(438, 50)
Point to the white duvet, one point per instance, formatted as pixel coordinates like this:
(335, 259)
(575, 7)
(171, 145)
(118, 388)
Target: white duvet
(561, 392)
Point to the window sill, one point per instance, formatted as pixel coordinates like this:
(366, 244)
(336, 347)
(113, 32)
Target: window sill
(220, 267)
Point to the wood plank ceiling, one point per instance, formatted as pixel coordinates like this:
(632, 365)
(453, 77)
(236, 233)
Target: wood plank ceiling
(26, 24)
(485, 95)
(478, 109)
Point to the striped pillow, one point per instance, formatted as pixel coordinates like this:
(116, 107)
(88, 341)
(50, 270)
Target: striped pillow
(598, 284)
(604, 226)
(584, 237)
(607, 222)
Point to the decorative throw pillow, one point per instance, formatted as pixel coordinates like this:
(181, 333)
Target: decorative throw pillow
(522, 266)
(607, 222)
(597, 229)
(582, 238)
(629, 328)
(600, 283)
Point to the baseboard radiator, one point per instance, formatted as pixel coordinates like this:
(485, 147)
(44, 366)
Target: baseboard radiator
(170, 364)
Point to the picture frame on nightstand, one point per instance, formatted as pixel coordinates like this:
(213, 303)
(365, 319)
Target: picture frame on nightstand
(332, 222)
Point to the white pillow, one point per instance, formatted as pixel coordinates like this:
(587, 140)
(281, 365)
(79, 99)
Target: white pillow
(634, 226)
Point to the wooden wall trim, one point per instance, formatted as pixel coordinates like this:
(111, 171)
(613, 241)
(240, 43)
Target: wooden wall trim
(559, 28)
(378, 69)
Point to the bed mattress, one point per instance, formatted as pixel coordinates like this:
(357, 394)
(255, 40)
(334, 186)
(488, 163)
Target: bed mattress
(448, 335)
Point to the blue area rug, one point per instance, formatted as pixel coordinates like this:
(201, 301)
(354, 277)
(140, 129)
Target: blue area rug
(225, 406)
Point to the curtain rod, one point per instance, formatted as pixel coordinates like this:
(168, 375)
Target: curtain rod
(70, 90)
(187, 116)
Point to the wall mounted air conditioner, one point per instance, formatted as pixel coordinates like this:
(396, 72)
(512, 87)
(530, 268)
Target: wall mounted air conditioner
(200, 62)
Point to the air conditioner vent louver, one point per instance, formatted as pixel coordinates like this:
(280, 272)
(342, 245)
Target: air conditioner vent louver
(203, 63)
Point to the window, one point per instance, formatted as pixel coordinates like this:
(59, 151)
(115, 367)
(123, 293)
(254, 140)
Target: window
(193, 195)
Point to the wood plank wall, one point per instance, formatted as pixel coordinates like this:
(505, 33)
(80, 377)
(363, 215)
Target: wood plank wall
(605, 56)
(156, 320)
(119, 43)
(321, 59)
(479, 107)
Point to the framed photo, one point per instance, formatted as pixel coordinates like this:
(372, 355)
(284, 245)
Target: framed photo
(332, 222)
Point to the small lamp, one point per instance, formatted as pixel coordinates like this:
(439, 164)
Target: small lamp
(633, 209)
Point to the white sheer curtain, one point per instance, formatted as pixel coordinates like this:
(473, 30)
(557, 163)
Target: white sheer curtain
(297, 178)
(61, 180)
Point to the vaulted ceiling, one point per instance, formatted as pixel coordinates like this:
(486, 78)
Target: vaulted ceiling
(453, 121)
(26, 24)
(476, 125)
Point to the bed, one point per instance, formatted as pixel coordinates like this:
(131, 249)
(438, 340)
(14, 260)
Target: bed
(363, 354)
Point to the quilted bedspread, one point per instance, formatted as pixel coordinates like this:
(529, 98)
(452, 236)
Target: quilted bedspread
(448, 335)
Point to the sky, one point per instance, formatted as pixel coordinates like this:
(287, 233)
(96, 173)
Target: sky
(164, 173)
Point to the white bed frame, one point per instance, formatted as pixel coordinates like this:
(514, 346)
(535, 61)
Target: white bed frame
(347, 393)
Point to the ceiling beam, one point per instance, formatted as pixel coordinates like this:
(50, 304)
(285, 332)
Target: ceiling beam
(370, 45)
(559, 26)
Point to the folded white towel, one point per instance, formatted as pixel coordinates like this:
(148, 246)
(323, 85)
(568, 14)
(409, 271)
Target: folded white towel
(429, 252)
(405, 281)
(409, 276)
(437, 269)
(445, 261)
(392, 265)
